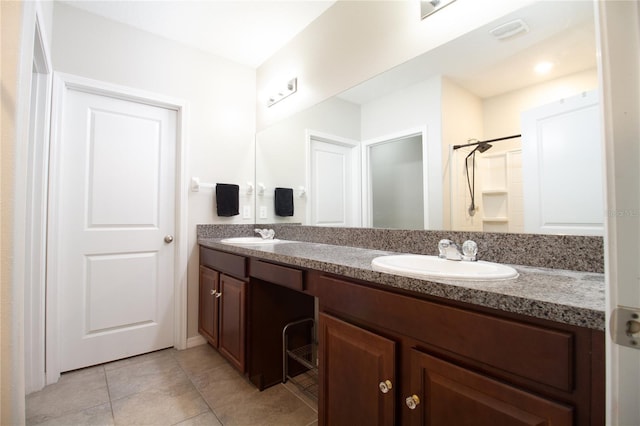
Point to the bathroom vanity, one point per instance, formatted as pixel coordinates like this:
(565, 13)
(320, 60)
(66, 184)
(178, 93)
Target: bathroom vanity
(396, 350)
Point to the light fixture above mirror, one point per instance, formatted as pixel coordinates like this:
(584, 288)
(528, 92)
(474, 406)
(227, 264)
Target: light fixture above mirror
(287, 90)
(428, 7)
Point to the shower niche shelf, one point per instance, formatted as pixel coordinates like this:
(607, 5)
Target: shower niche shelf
(495, 216)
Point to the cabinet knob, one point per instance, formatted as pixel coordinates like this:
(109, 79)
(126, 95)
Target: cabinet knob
(213, 292)
(385, 386)
(218, 295)
(412, 402)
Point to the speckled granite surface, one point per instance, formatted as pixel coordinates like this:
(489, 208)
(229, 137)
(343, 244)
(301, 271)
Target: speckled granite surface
(565, 296)
(576, 253)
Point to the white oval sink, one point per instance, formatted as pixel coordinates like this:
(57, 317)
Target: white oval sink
(249, 240)
(423, 267)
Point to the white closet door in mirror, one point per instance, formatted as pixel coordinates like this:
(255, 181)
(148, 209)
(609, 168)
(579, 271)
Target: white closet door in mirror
(563, 167)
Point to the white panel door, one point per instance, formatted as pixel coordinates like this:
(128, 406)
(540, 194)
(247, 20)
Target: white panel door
(331, 185)
(562, 167)
(117, 204)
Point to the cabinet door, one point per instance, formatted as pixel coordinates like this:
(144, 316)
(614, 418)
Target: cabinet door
(357, 375)
(232, 320)
(208, 305)
(446, 394)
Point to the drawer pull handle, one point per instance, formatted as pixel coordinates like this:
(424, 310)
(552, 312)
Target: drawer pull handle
(385, 386)
(412, 402)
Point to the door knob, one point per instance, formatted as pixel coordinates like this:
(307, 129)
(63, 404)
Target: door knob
(168, 239)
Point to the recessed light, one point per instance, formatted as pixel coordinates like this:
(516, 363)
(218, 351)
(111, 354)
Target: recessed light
(543, 67)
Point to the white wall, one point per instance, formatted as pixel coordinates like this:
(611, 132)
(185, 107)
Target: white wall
(461, 121)
(356, 40)
(220, 95)
(502, 112)
(415, 106)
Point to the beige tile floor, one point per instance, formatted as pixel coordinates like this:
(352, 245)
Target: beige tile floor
(193, 387)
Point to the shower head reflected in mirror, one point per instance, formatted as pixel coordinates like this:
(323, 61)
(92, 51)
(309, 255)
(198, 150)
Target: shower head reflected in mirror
(483, 147)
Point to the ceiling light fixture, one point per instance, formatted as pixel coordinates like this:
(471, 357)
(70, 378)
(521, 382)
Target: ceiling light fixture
(288, 90)
(509, 29)
(543, 67)
(427, 7)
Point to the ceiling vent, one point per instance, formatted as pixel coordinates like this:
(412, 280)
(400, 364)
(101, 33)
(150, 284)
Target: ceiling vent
(510, 29)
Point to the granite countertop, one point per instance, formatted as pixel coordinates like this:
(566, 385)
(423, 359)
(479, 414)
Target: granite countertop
(570, 297)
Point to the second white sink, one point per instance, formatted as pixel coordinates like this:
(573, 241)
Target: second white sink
(423, 267)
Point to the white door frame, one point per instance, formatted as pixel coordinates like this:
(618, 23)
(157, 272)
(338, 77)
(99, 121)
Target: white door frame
(36, 211)
(63, 82)
(367, 214)
(355, 167)
(617, 37)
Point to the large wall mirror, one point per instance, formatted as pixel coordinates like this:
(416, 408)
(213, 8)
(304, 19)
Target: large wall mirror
(387, 152)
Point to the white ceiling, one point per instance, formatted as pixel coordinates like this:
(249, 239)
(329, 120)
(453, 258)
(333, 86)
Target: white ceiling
(244, 31)
(561, 32)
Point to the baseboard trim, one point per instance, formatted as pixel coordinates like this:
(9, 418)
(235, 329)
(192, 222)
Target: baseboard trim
(194, 341)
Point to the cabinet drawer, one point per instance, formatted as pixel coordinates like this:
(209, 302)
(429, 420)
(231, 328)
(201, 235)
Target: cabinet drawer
(530, 351)
(276, 274)
(228, 263)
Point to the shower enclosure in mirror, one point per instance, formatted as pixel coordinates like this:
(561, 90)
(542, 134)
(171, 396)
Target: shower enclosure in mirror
(477, 87)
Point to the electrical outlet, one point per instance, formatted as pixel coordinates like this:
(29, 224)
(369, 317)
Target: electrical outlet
(263, 212)
(246, 212)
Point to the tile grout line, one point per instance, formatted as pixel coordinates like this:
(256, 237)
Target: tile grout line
(79, 410)
(106, 381)
(197, 390)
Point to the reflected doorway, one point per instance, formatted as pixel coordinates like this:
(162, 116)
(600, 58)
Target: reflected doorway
(395, 183)
(334, 181)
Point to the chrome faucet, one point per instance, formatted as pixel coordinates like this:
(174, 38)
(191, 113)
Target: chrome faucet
(449, 250)
(266, 234)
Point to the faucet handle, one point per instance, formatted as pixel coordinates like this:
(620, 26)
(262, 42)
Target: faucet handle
(469, 250)
(266, 234)
(443, 245)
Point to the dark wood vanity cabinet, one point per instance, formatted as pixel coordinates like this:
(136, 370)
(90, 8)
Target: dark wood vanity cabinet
(357, 375)
(244, 305)
(277, 297)
(208, 305)
(398, 358)
(222, 304)
(447, 394)
(232, 329)
(450, 364)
